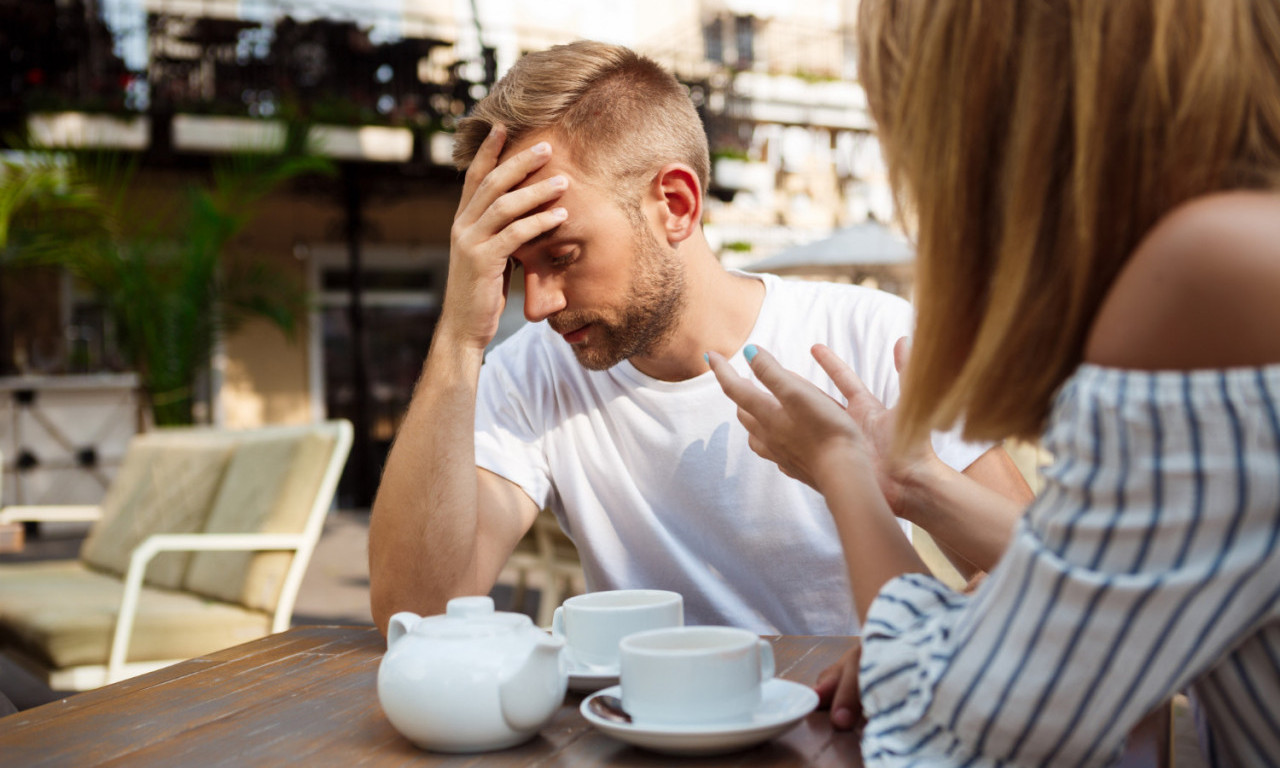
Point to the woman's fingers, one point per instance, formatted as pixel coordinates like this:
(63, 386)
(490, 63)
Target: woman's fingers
(776, 430)
(901, 353)
(827, 682)
(846, 708)
(837, 689)
(848, 382)
(749, 398)
(769, 372)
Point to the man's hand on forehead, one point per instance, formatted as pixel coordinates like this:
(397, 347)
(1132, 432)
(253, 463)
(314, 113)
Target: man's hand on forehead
(497, 215)
(504, 203)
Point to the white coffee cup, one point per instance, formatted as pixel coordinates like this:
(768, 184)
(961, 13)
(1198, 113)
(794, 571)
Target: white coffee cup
(693, 675)
(592, 624)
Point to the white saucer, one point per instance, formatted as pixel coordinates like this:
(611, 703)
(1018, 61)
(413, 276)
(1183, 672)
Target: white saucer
(585, 678)
(783, 704)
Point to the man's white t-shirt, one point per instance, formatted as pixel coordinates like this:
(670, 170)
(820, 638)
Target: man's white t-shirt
(654, 482)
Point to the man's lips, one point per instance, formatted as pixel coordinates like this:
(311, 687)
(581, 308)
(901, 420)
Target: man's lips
(576, 335)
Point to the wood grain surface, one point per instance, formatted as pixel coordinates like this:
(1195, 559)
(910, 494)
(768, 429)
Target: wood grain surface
(308, 696)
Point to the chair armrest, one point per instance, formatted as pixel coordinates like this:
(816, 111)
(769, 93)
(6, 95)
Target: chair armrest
(209, 542)
(51, 513)
(179, 542)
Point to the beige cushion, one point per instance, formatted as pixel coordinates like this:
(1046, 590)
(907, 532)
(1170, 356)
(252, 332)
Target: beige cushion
(255, 499)
(63, 614)
(938, 563)
(165, 484)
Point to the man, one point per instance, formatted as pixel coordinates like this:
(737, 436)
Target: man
(586, 168)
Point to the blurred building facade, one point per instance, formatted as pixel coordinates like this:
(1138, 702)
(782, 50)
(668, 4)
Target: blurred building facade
(179, 83)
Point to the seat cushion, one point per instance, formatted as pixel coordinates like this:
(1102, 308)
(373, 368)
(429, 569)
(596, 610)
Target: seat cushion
(270, 486)
(63, 615)
(166, 484)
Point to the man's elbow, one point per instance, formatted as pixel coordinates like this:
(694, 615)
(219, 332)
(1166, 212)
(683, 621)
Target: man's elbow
(387, 597)
(997, 471)
(381, 605)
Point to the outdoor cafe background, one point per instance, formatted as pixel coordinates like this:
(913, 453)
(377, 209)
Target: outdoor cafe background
(174, 90)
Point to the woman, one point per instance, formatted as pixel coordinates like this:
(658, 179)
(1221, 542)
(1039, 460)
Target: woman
(1094, 188)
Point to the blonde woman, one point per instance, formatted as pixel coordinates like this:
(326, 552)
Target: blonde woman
(1094, 189)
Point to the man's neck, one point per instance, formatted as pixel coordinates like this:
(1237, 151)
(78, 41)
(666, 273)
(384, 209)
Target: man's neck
(720, 311)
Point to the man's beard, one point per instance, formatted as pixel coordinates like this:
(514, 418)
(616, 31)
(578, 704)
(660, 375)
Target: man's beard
(648, 315)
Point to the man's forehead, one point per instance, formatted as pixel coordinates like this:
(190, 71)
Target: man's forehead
(561, 162)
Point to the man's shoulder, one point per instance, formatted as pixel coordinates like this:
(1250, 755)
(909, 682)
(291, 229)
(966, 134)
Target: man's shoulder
(834, 312)
(843, 296)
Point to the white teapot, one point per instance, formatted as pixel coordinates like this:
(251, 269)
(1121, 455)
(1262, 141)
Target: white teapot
(471, 680)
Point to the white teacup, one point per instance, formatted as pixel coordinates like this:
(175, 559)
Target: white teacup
(594, 623)
(693, 675)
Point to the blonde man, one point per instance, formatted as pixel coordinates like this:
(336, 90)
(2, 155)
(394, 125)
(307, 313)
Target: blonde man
(585, 173)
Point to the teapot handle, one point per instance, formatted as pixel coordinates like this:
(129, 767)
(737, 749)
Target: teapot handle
(401, 624)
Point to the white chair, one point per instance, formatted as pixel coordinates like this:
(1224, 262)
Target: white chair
(547, 552)
(201, 543)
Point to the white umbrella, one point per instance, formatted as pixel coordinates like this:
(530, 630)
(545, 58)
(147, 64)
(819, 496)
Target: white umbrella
(863, 245)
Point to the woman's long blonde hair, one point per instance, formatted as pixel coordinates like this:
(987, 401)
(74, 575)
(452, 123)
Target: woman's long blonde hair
(1031, 145)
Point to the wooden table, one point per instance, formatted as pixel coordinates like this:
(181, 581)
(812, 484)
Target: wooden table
(308, 696)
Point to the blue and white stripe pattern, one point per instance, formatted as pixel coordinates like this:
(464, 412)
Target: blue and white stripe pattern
(1151, 562)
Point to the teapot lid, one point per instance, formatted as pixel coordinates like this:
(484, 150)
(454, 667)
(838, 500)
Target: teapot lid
(470, 607)
(470, 618)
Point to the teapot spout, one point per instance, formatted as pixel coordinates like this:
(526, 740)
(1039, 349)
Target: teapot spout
(532, 694)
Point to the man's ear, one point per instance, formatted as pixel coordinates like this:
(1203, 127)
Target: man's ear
(678, 193)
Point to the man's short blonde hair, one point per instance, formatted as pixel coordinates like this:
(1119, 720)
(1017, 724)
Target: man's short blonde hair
(621, 115)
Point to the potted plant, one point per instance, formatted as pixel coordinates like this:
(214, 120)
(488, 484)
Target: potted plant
(169, 290)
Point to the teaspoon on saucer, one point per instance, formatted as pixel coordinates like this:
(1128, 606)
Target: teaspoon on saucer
(609, 708)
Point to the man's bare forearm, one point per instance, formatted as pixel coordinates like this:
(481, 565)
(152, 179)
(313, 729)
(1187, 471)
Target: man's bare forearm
(972, 514)
(424, 528)
(438, 529)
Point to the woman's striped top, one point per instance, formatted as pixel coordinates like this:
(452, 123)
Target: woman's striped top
(1148, 564)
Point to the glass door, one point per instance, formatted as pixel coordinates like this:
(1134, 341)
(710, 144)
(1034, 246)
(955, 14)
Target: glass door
(399, 305)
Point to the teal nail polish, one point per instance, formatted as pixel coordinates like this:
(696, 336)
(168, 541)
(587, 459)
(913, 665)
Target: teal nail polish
(749, 352)
(706, 357)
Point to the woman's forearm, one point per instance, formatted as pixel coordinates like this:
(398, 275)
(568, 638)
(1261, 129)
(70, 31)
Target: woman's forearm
(875, 548)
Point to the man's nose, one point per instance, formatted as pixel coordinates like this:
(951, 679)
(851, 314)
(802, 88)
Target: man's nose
(543, 296)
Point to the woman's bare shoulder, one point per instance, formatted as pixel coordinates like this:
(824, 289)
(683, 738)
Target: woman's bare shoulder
(1201, 291)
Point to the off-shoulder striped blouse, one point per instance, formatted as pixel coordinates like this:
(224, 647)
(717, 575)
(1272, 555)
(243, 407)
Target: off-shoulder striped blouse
(1149, 563)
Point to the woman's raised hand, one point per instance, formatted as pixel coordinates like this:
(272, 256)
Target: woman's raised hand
(793, 423)
(798, 426)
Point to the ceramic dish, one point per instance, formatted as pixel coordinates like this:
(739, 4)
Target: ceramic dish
(783, 704)
(584, 679)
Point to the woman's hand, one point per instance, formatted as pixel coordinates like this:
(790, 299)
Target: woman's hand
(813, 438)
(793, 424)
(837, 689)
(895, 472)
